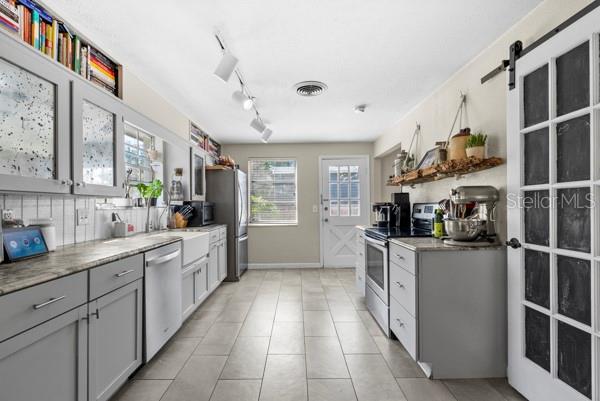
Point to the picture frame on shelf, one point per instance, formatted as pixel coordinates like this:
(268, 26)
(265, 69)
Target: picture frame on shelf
(429, 159)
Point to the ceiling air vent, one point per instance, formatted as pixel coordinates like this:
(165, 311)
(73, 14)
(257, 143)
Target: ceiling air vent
(310, 88)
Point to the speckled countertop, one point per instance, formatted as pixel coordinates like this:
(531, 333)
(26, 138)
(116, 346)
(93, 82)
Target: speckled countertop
(71, 259)
(420, 244)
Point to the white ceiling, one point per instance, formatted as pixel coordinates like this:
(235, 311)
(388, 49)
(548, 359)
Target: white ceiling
(388, 54)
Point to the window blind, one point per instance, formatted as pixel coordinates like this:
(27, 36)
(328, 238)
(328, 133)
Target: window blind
(273, 191)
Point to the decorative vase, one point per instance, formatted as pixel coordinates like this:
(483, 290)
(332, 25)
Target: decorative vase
(456, 148)
(476, 151)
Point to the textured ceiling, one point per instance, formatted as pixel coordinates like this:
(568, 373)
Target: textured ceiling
(388, 54)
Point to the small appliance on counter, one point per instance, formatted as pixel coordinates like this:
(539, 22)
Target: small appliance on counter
(121, 228)
(471, 219)
(203, 213)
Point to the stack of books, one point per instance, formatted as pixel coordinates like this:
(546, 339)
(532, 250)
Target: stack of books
(9, 16)
(32, 24)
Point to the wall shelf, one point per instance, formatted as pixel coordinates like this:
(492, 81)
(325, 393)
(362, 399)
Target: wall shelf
(447, 169)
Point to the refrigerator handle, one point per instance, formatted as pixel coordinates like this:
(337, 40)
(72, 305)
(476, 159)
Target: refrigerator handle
(240, 199)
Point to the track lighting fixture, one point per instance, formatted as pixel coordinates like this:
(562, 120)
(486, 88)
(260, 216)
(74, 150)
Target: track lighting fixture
(266, 135)
(258, 125)
(243, 99)
(224, 70)
(226, 66)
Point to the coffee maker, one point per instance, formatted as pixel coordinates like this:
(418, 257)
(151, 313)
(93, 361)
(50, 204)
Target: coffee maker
(394, 214)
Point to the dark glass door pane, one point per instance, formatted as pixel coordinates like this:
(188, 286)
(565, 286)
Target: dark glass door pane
(536, 157)
(537, 338)
(537, 217)
(573, 149)
(574, 283)
(537, 277)
(575, 358)
(573, 219)
(535, 97)
(573, 80)
(375, 266)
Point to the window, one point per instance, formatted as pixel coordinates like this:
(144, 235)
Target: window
(344, 191)
(273, 191)
(137, 145)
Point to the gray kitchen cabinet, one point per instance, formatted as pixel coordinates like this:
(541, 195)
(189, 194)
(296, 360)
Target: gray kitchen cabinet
(201, 283)
(115, 339)
(222, 257)
(188, 291)
(47, 362)
(97, 141)
(34, 121)
(213, 266)
(361, 277)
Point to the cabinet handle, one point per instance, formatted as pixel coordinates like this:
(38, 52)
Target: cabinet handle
(48, 302)
(67, 183)
(399, 284)
(97, 313)
(126, 272)
(399, 256)
(80, 184)
(400, 322)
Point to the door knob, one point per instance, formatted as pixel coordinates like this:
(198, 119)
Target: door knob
(513, 243)
(325, 220)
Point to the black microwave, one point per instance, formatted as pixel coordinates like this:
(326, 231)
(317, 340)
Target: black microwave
(203, 214)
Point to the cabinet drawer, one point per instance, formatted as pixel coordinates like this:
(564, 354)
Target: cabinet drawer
(214, 235)
(403, 257)
(404, 327)
(360, 281)
(403, 288)
(109, 277)
(24, 309)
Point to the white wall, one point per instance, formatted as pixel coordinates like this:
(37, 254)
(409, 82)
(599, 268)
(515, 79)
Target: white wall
(298, 244)
(486, 107)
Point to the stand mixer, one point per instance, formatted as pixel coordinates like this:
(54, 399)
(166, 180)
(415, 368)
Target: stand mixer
(472, 218)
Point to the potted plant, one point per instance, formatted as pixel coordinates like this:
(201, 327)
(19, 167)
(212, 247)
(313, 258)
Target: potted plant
(475, 145)
(149, 192)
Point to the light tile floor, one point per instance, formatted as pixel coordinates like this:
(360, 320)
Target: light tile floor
(297, 335)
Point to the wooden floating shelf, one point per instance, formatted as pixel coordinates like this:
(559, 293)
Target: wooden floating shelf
(447, 169)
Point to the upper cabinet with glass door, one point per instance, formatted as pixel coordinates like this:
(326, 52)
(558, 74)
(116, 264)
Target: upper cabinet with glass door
(34, 122)
(98, 160)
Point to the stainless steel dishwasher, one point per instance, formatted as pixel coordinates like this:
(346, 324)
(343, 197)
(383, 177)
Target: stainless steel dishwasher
(162, 300)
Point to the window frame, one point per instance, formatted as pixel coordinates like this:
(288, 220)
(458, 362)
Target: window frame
(153, 145)
(272, 224)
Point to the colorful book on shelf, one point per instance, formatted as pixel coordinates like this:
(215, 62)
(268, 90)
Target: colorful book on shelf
(8, 23)
(83, 68)
(35, 7)
(35, 29)
(76, 54)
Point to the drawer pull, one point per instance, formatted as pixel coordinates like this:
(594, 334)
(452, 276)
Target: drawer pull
(400, 322)
(48, 302)
(399, 284)
(399, 256)
(126, 272)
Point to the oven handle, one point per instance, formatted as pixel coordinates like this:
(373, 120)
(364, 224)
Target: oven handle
(376, 242)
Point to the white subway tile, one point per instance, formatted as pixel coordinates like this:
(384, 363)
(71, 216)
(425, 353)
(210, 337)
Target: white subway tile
(57, 213)
(44, 206)
(14, 203)
(69, 221)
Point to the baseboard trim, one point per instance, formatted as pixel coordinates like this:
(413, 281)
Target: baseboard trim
(261, 266)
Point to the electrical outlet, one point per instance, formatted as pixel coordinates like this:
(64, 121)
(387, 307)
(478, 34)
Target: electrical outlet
(82, 217)
(8, 215)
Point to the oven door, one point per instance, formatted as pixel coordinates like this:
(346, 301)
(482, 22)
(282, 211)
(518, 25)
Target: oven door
(198, 173)
(377, 267)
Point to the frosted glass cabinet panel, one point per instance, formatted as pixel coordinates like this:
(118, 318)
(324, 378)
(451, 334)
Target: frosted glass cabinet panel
(34, 118)
(98, 164)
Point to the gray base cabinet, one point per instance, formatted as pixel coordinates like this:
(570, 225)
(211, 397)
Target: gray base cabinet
(188, 296)
(222, 254)
(47, 362)
(115, 339)
(213, 266)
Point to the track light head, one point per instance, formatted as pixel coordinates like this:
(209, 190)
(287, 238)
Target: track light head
(258, 125)
(226, 66)
(244, 100)
(266, 135)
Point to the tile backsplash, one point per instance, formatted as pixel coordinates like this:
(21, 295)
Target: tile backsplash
(63, 211)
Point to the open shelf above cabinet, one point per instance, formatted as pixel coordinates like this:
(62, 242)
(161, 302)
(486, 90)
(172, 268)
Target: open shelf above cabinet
(447, 169)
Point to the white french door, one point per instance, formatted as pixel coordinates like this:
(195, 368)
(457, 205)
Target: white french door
(345, 187)
(553, 179)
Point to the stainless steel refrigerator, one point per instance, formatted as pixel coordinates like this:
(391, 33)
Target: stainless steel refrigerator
(228, 189)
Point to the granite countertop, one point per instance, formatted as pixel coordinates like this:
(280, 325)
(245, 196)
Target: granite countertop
(71, 259)
(419, 244)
